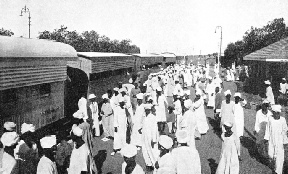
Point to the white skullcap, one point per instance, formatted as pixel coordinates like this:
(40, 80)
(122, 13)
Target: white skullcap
(27, 127)
(198, 92)
(218, 110)
(140, 96)
(165, 141)
(266, 101)
(105, 96)
(237, 94)
(9, 126)
(175, 92)
(276, 108)
(129, 150)
(182, 136)
(122, 90)
(121, 99)
(147, 106)
(130, 80)
(77, 131)
(188, 103)
(267, 82)
(161, 69)
(78, 114)
(116, 89)
(159, 88)
(91, 96)
(150, 98)
(227, 92)
(48, 141)
(283, 78)
(228, 124)
(9, 139)
(209, 77)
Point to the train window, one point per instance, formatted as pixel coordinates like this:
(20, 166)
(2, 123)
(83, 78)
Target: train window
(45, 90)
(9, 95)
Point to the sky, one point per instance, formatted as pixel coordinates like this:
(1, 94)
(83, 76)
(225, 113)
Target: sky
(179, 26)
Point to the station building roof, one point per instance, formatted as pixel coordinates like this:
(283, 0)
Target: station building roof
(101, 54)
(276, 52)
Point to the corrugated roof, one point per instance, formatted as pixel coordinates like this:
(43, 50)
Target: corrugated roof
(23, 47)
(147, 55)
(277, 51)
(101, 54)
(168, 55)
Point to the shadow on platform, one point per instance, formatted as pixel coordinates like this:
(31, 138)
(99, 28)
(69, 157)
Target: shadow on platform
(99, 159)
(213, 165)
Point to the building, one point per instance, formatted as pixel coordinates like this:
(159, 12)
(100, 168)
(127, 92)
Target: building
(268, 63)
(32, 80)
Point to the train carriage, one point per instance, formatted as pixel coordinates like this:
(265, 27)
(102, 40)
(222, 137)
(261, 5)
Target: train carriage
(169, 58)
(149, 60)
(32, 80)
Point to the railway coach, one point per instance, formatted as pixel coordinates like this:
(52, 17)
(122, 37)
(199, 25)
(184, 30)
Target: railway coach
(32, 80)
(149, 60)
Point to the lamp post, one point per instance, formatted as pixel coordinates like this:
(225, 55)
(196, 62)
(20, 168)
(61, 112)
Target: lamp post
(26, 10)
(220, 47)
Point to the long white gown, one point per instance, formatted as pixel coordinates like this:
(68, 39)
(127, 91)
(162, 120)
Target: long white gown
(166, 164)
(120, 121)
(239, 118)
(137, 119)
(210, 90)
(276, 134)
(229, 162)
(270, 95)
(189, 124)
(202, 124)
(94, 109)
(149, 135)
(161, 108)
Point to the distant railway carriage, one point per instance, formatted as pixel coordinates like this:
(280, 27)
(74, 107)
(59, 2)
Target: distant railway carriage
(149, 60)
(169, 58)
(180, 59)
(32, 80)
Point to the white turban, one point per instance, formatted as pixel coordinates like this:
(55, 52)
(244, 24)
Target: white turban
(182, 136)
(77, 131)
(140, 96)
(91, 96)
(147, 106)
(116, 89)
(276, 108)
(159, 88)
(78, 114)
(105, 96)
(228, 92)
(237, 94)
(130, 80)
(188, 103)
(129, 150)
(165, 141)
(48, 141)
(9, 126)
(228, 124)
(9, 138)
(267, 82)
(27, 127)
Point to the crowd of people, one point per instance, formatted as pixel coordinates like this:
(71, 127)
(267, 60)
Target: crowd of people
(160, 117)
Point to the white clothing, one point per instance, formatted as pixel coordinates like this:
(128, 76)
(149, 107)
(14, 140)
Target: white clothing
(217, 82)
(137, 119)
(82, 105)
(283, 88)
(94, 109)
(46, 166)
(79, 160)
(276, 134)
(178, 89)
(260, 118)
(161, 108)
(137, 170)
(239, 117)
(149, 135)
(120, 121)
(9, 164)
(166, 164)
(229, 162)
(270, 95)
(189, 123)
(178, 112)
(186, 160)
(199, 110)
(210, 90)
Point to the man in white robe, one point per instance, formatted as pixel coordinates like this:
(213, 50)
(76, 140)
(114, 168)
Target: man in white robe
(239, 114)
(210, 90)
(276, 134)
(199, 110)
(269, 92)
(150, 137)
(95, 114)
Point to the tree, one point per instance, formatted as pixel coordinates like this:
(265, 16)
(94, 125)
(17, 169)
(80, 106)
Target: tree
(5, 32)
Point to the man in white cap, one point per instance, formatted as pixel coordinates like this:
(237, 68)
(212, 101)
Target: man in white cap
(165, 161)
(269, 92)
(177, 89)
(133, 95)
(9, 140)
(136, 137)
(107, 118)
(47, 163)
(161, 107)
(199, 111)
(186, 159)
(239, 114)
(149, 133)
(114, 99)
(282, 98)
(177, 111)
(230, 152)
(261, 121)
(227, 113)
(210, 91)
(82, 106)
(9, 126)
(120, 126)
(93, 106)
(276, 134)
(79, 160)
(129, 165)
